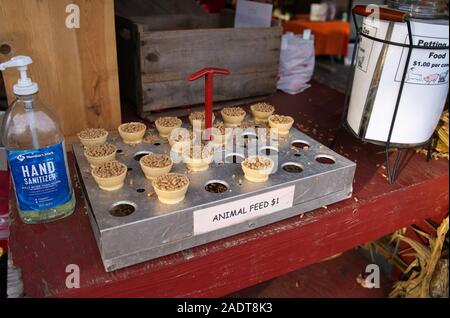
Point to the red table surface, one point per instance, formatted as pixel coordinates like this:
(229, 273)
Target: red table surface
(225, 266)
(330, 37)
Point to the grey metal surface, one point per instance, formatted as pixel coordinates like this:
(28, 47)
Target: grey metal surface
(156, 229)
(3, 162)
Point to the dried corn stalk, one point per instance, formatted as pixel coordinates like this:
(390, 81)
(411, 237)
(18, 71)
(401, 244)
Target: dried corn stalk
(424, 272)
(441, 143)
(442, 132)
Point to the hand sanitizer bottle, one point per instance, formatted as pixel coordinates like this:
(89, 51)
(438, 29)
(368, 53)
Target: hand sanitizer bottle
(36, 153)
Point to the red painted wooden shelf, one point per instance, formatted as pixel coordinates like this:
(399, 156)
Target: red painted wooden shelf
(228, 265)
(332, 278)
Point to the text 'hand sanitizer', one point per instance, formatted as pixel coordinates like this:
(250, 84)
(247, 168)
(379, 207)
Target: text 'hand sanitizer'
(36, 153)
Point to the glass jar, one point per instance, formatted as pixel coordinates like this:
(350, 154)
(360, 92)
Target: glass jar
(421, 9)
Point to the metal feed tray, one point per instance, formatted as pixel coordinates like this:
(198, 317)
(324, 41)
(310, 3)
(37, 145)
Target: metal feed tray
(132, 226)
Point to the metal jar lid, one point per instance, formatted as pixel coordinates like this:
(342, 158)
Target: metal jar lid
(422, 9)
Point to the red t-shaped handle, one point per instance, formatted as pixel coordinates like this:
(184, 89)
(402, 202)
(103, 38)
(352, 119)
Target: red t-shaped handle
(209, 74)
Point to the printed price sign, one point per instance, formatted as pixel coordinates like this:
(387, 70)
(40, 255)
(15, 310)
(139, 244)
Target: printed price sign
(426, 67)
(224, 215)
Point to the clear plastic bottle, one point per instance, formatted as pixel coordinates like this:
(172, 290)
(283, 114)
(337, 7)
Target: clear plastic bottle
(37, 159)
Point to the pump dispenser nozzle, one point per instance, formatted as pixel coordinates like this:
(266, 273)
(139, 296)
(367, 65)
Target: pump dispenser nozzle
(24, 85)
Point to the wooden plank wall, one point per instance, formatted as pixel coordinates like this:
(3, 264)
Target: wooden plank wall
(183, 22)
(76, 69)
(169, 57)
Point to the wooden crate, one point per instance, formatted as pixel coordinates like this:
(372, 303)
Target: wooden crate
(157, 53)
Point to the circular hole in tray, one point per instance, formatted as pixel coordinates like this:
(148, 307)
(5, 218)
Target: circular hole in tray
(301, 144)
(119, 151)
(157, 144)
(269, 151)
(121, 209)
(325, 159)
(140, 190)
(249, 135)
(138, 155)
(216, 186)
(129, 169)
(292, 167)
(297, 155)
(234, 158)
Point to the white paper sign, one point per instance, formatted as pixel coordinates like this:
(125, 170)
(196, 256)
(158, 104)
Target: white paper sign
(224, 215)
(426, 67)
(251, 14)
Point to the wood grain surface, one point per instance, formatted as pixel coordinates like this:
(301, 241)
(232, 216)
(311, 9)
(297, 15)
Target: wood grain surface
(333, 278)
(197, 49)
(76, 69)
(159, 95)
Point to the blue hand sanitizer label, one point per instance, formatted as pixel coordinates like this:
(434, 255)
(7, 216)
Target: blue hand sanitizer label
(40, 177)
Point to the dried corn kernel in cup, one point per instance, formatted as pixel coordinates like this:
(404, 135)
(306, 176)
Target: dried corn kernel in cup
(262, 111)
(171, 188)
(110, 175)
(92, 136)
(154, 165)
(165, 125)
(132, 133)
(96, 155)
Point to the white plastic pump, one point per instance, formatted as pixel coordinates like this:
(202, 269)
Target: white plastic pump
(24, 85)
